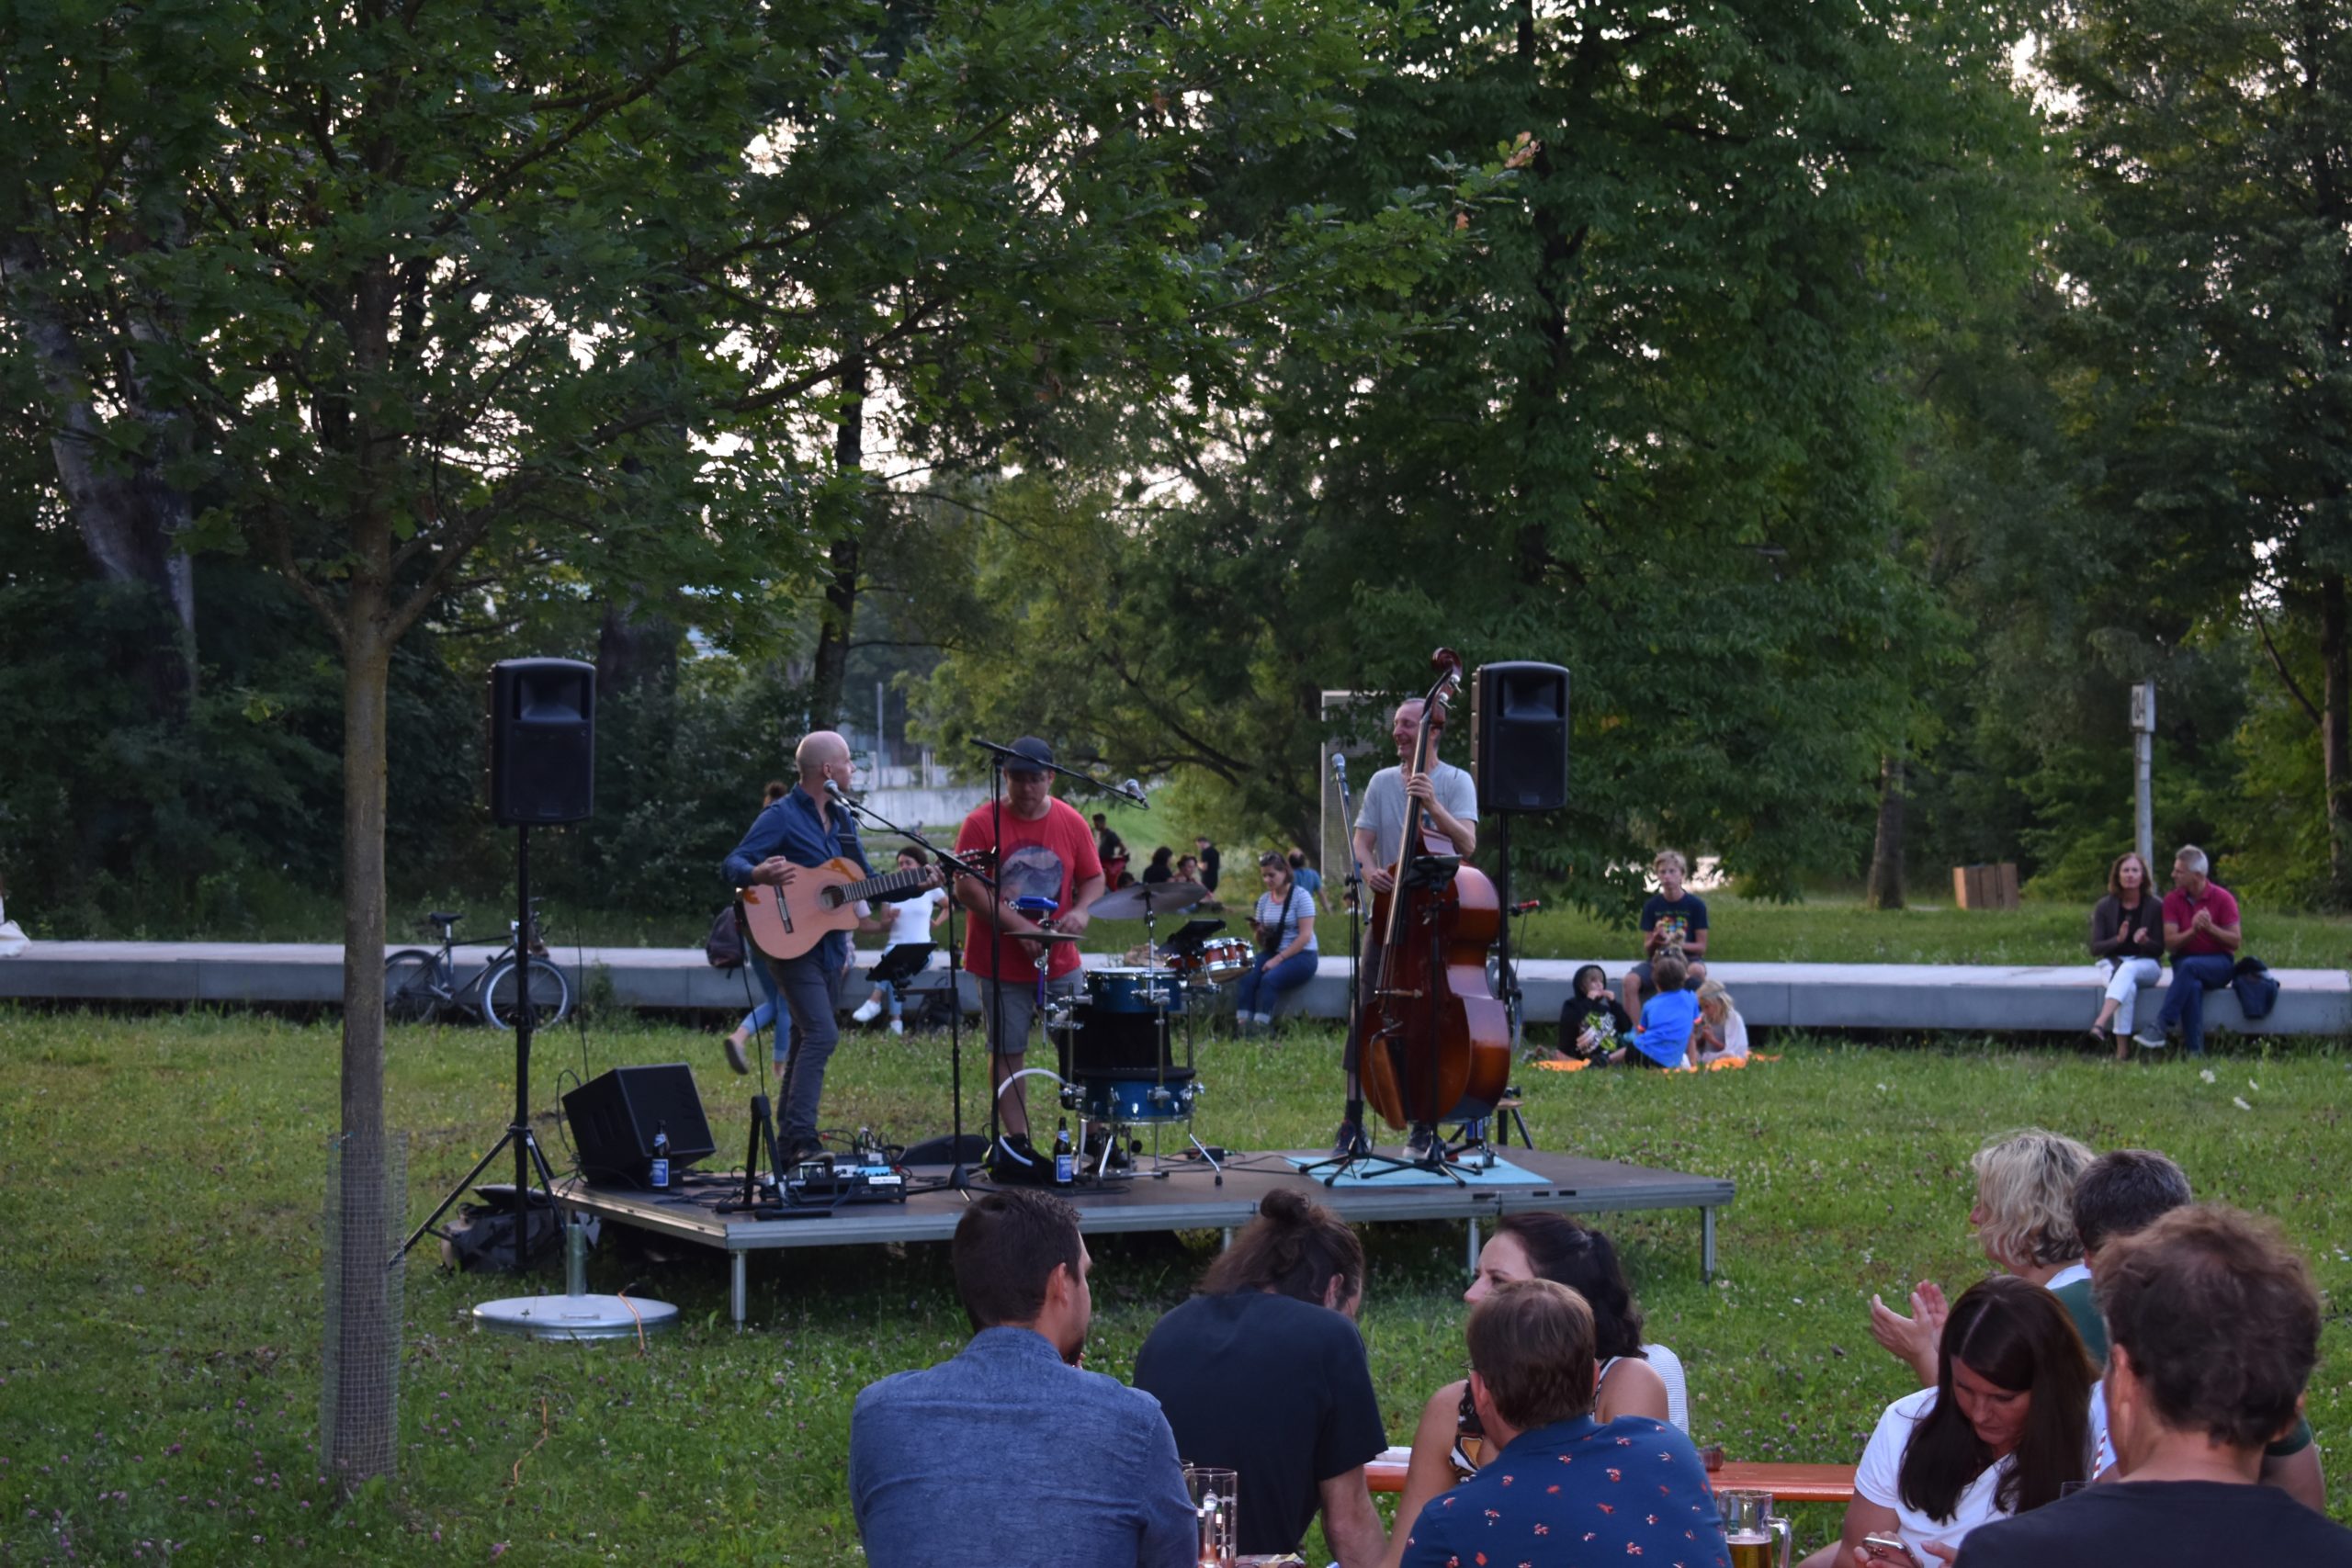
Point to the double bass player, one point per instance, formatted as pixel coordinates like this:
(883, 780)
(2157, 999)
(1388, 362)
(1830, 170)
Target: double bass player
(1447, 798)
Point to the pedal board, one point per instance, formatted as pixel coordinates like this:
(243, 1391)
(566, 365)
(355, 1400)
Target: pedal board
(845, 1179)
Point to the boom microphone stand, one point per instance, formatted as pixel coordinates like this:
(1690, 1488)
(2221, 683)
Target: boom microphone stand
(1358, 1158)
(958, 1177)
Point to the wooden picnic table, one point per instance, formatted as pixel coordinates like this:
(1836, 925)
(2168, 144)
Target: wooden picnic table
(1786, 1482)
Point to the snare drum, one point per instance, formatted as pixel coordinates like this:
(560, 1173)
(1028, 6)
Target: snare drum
(1138, 990)
(1215, 963)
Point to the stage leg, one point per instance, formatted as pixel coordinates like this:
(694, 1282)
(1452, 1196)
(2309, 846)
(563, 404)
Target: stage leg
(737, 1270)
(1471, 1266)
(1706, 1243)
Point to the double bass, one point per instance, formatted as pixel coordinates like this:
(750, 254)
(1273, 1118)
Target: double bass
(1434, 1041)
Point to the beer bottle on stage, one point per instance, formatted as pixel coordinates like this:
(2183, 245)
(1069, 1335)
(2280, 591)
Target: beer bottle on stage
(1065, 1156)
(660, 1180)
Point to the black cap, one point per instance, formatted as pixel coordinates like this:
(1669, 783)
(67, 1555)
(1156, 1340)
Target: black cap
(1029, 745)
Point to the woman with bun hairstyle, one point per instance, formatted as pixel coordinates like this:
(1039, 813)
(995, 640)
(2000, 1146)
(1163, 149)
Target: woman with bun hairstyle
(1263, 1371)
(1636, 1379)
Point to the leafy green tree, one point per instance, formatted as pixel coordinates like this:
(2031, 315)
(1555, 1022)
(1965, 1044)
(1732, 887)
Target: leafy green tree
(2213, 329)
(1655, 439)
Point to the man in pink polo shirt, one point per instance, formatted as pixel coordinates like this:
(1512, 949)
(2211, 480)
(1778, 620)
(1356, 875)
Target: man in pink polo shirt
(2201, 933)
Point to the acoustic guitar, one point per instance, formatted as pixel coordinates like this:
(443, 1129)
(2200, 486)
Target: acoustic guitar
(786, 921)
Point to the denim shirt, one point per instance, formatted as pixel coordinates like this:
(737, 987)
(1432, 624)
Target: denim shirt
(1004, 1457)
(795, 829)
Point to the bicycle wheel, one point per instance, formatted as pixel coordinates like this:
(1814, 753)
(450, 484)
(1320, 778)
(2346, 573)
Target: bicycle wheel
(412, 994)
(550, 995)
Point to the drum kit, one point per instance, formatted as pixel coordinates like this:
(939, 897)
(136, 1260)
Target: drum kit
(1116, 1040)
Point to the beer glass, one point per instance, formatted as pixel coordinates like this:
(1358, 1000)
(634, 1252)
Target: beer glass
(1750, 1526)
(1216, 1496)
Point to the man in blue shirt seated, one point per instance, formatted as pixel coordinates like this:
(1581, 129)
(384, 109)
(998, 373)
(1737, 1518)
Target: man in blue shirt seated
(1668, 1020)
(1563, 1488)
(1009, 1454)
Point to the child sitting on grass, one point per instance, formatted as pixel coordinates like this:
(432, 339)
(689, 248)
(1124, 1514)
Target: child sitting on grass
(1591, 1023)
(1723, 1033)
(1667, 1018)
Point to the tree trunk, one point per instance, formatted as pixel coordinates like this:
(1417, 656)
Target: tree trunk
(361, 1445)
(831, 673)
(2335, 736)
(636, 648)
(129, 516)
(1885, 889)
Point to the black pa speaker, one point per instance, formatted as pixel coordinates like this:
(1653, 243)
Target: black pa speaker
(542, 741)
(1519, 737)
(615, 1116)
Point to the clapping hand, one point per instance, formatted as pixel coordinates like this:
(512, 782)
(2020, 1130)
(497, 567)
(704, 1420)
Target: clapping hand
(1913, 1339)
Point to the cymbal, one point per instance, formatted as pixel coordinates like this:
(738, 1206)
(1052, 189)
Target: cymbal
(1146, 898)
(1043, 936)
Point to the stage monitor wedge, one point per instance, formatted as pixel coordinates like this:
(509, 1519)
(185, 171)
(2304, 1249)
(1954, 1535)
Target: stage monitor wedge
(615, 1115)
(542, 741)
(1519, 737)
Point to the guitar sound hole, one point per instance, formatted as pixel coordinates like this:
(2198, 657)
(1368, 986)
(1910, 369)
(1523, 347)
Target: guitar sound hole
(830, 898)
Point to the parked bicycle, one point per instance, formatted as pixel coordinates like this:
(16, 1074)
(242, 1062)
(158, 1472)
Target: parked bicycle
(421, 984)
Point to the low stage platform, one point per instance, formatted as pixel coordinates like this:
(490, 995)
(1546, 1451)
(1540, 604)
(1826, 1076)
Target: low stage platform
(1187, 1196)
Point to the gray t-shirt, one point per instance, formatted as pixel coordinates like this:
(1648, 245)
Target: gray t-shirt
(1384, 806)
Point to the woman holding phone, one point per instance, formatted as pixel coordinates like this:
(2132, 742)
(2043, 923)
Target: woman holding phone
(1284, 922)
(2004, 1430)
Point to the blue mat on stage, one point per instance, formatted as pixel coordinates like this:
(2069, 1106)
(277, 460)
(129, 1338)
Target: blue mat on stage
(1502, 1173)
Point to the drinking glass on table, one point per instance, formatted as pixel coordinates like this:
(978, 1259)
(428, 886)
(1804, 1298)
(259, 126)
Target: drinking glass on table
(1217, 1497)
(1750, 1526)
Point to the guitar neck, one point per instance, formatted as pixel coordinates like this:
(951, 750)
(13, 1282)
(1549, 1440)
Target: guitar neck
(880, 886)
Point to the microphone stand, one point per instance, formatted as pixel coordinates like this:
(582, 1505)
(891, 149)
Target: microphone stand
(1359, 1160)
(957, 1177)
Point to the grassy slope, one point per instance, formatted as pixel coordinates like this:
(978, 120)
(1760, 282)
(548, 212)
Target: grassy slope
(160, 1282)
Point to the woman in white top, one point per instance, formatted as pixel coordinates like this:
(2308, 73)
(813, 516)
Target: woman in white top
(2003, 1431)
(1636, 1379)
(910, 921)
(2024, 1218)
(1284, 921)
(1723, 1033)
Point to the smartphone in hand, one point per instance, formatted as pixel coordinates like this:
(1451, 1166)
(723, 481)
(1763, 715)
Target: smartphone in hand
(1889, 1549)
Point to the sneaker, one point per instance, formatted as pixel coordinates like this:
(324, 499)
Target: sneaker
(1348, 1142)
(867, 1011)
(898, 1026)
(2151, 1042)
(1012, 1158)
(1262, 1019)
(1422, 1144)
(735, 1057)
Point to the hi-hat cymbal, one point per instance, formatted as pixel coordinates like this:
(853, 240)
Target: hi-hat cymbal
(1043, 936)
(1146, 898)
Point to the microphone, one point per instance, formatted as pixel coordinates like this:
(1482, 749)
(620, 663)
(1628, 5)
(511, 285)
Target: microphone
(1340, 766)
(835, 790)
(1134, 792)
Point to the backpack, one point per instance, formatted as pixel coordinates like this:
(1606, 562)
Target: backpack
(2256, 991)
(723, 948)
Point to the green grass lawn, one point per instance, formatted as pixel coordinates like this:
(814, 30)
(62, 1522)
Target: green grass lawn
(160, 1285)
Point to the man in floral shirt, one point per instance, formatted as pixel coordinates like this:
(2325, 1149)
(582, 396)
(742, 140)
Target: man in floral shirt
(1563, 1488)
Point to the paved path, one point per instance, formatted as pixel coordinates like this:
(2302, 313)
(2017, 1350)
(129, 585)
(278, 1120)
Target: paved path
(1969, 996)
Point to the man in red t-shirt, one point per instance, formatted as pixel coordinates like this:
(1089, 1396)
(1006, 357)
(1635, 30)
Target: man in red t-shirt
(1044, 849)
(2201, 933)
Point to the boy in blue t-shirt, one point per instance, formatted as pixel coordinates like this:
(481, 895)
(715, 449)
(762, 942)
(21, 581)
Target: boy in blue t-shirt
(1668, 1022)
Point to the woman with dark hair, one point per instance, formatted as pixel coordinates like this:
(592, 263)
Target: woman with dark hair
(1158, 871)
(2128, 940)
(1283, 921)
(2005, 1429)
(1635, 1379)
(1264, 1372)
